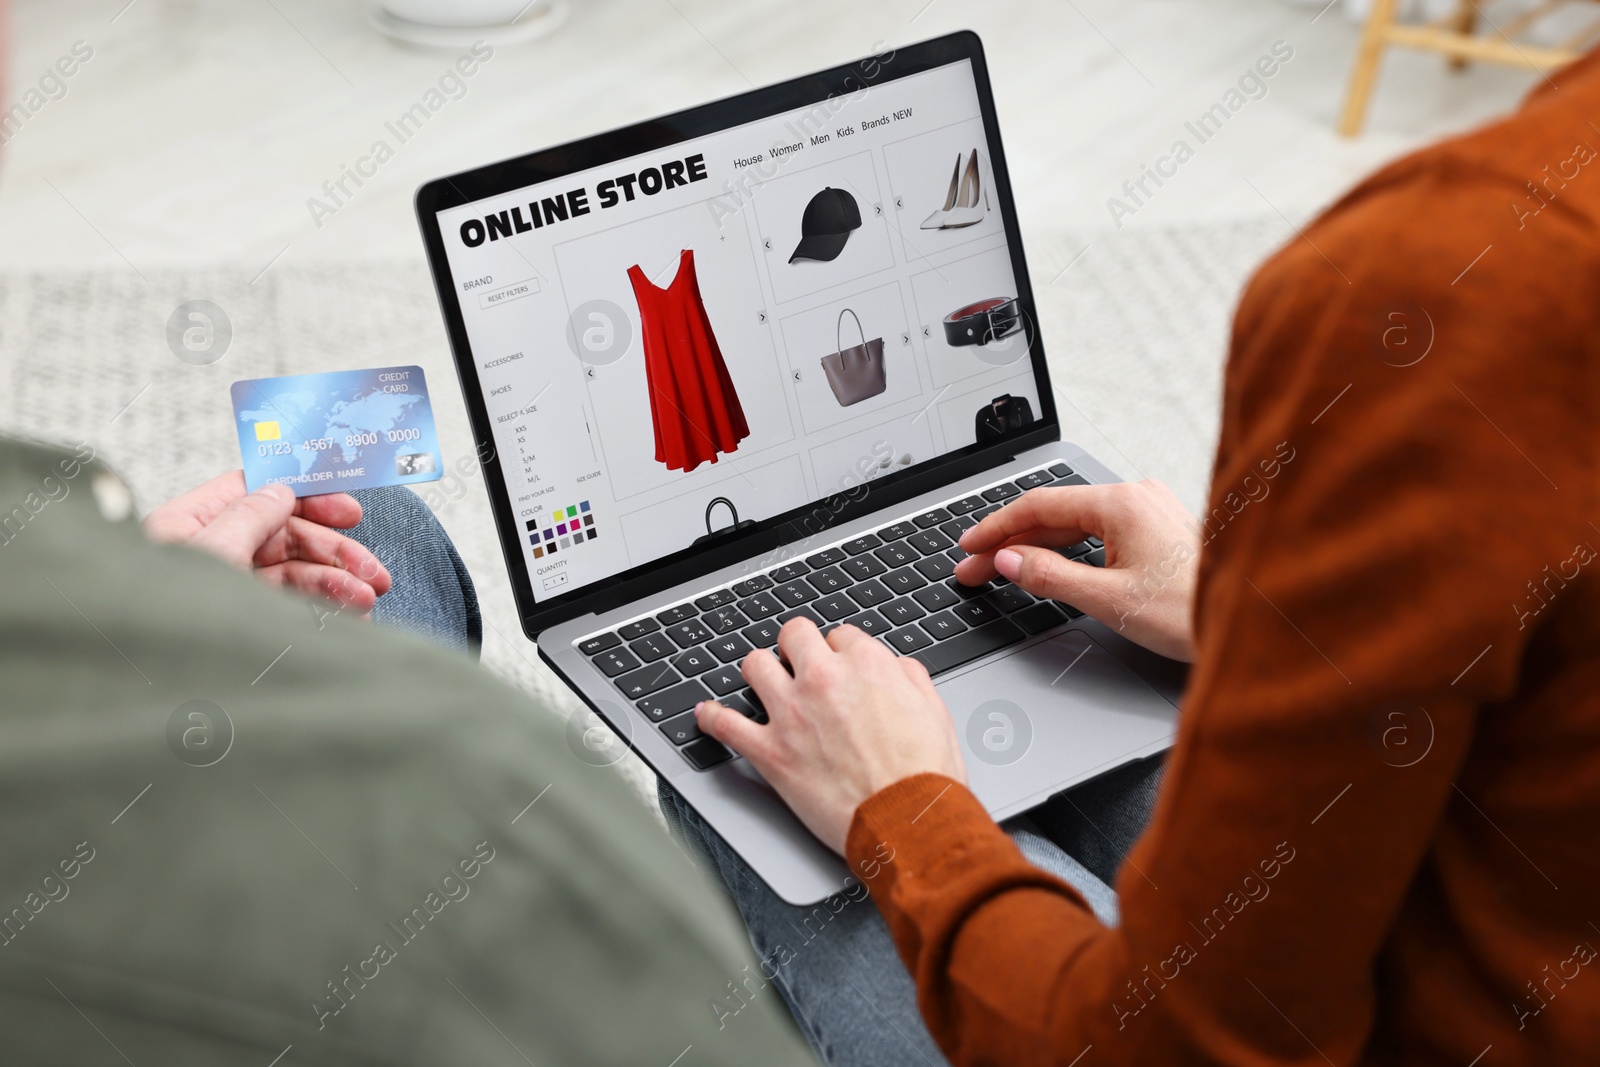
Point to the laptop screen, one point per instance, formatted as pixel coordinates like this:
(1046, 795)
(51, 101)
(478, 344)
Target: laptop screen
(741, 323)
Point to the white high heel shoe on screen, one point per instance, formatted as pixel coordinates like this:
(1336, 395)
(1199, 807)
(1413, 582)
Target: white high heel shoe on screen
(936, 220)
(967, 202)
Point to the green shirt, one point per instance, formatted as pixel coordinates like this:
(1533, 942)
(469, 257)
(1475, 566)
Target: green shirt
(331, 853)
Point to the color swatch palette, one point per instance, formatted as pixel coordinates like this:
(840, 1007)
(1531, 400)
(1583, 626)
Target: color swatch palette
(561, 530)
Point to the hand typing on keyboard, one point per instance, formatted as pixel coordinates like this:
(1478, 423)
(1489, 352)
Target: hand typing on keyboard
(853, 719)
(910, 587)
(1145, 589)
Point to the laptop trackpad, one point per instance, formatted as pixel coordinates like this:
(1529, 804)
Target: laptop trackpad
(1050, 716)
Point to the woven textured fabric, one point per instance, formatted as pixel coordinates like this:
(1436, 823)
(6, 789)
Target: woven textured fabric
(432, 594)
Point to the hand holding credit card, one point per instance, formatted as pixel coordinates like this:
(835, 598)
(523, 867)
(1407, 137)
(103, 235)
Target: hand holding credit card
(326, 433)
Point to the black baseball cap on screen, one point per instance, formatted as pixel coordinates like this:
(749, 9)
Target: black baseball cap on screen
(826, 225)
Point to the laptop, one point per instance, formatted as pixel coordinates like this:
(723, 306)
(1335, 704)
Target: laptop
(769, 357)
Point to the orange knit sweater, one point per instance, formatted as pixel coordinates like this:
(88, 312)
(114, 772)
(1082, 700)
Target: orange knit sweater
(1378, 840)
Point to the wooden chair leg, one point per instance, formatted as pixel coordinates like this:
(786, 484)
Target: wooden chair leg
(1465, 23)
(1374, 38)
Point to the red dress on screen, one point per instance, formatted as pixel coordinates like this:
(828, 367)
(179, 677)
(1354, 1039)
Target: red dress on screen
(693, 405)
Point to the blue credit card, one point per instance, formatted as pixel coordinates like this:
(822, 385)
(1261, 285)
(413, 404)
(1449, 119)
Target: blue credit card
(325, 433)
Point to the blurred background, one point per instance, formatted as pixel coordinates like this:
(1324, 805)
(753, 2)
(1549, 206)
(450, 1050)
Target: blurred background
(184, 156)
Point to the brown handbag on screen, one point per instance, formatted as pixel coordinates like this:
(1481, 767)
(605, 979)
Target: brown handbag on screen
(854, 373)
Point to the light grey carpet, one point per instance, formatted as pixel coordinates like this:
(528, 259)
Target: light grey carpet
(1136, 328)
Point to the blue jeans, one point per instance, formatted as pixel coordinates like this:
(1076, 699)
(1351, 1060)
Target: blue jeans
(432, 595)
(843, 980)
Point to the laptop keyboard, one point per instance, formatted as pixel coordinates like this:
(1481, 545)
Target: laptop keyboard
(897, 584)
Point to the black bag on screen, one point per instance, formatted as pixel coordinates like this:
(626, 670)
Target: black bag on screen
(737, 525)
(1003, 415)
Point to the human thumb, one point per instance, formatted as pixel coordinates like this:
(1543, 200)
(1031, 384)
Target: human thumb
(1048, 574)
(240, 530)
